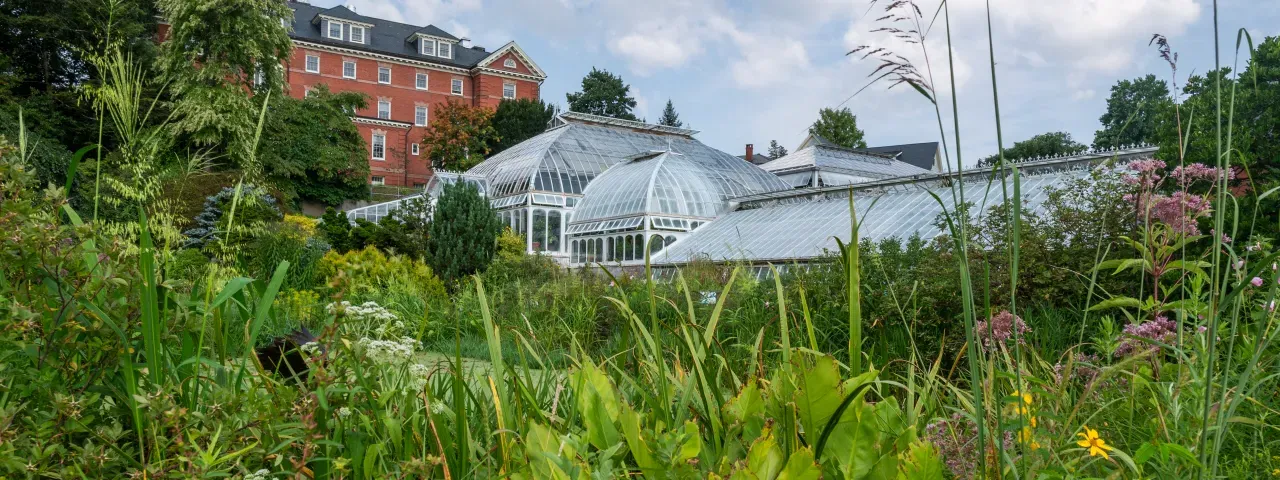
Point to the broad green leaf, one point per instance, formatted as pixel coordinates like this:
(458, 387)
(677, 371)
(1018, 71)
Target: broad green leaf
(921, 462)
(818, 391)
(801, 466)
(746, 410)
(1117, 302)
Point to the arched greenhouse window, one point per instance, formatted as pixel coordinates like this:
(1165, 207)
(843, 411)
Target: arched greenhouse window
(573, 252)
(639, 246)
(670, 240)
(608, 249)
(553, 231)
(599, 249)
(539, 230)
(655, 245)
(591, 251)
(628, 248)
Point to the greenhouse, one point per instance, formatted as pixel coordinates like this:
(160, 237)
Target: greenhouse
(820, 163)
(435, 186)
(661, 196)
(800, 225)
(537, 184)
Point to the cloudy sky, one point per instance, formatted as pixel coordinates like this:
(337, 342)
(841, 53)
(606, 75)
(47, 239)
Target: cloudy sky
(749, 71)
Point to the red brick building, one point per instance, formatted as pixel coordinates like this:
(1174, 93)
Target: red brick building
(405, 70)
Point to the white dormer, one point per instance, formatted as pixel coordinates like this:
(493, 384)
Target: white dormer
(340, 29)
(445, 50)
(435, 46)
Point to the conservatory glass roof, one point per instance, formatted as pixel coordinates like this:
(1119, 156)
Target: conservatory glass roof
(568, 156)
(671, 183)
(822, 155)
(803, 224)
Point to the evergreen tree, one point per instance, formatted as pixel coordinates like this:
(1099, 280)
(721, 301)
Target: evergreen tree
(669, 116)
(518, 120)
(839, 127)
(605, 94)
(463, 235)
(775, 150)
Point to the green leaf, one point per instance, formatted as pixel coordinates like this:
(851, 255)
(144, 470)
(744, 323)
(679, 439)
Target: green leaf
(801, 466)
(1117, 302)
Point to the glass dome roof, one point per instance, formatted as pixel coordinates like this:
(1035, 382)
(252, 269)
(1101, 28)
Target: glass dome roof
(567, 157)
(694, 184)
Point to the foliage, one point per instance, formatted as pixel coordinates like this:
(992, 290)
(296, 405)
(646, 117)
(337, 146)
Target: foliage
(360, 272)
(311, 151)
(46, 158)
(211, 56)
(776, 151)
(463, 234)
(231, 217)
(1132, 115)
(669, 116)
(1042, 145)
(839, 127)
(459, 136)
(335, 229)
(603, 94)
(404, 230)
(518, 120)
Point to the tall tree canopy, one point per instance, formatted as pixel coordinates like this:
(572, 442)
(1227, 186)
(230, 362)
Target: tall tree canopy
(518, 120)
(603, 93)
(775, 150)
(1132, 112)
(669, 116)
(459, 136)
(214, 51)
(463, 234)
(1044, 144)
(311, 151)
(839, 127)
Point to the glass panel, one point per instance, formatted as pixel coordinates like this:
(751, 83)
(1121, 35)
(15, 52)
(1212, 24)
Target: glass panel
(608, 249)
(539, 230)
(591, 251)
(553, 231)
(670, 240)
(655, 244)
(628, 248)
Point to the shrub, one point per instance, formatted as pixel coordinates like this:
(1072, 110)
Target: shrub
(462, 237)
(215, 227)
(369, 271)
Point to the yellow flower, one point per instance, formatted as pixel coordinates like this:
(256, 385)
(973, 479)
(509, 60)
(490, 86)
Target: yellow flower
(1097, 446)
(1026, 397)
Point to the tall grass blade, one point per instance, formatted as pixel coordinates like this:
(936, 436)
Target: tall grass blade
(152, 326)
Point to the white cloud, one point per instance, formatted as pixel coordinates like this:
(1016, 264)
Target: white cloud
(1085, 94)
(653, 46)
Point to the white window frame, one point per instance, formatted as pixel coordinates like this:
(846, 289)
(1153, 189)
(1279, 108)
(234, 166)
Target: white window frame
(421, 81)
(442, 48)
(306, 91)
(329, 33)
(388, 71)
(378, 180)
(307, 63)
(354, 29)
(354, 69)
(509, 63)
(374, 144)
(388, 104)
(414, 149)
(456, 86)
(513, 90)
(420, 116)
(425, 43)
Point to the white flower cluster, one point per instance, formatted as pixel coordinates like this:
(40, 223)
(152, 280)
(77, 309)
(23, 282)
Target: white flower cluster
(310, 349)
(389, 329)
(417, 376)
(368, 311)
(344, 412)
(263, 474)
(391, 352)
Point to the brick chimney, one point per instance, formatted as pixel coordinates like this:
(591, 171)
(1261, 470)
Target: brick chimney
(751, 150)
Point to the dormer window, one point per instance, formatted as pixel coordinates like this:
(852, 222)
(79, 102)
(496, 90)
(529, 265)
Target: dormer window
(335, 30)
(428, 47)
(357, 34)
(509, 63)
(446, 50)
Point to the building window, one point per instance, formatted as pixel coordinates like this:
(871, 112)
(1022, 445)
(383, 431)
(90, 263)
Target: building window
(357, 34)
(378, 180)
(508, 90)
(348, 69)
(335, 30)
(306, 91)
(414, 149)
(420, 116)
(421, 81)
(456, 86)
(428, 47)
(379, 147)
(384, 74)
(384, 109)
(446, 50)
(313, 64)
(509, 63)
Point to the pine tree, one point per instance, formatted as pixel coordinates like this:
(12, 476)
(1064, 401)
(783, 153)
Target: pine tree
(603, 94)
(669, 116)
(463, 235)
(775, 150)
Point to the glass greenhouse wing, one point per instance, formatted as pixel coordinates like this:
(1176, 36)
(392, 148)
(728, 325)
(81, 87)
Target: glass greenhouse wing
(695, 184)
(801, 227)
(828, 158)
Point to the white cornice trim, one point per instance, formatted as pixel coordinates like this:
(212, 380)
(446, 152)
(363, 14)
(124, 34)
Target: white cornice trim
(519, 52)
(404, 61)
(380, 122)
(433, 37)
(344, 20)
(507, 74)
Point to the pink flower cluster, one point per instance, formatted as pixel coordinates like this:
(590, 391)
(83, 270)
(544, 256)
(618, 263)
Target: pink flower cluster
(1000, 329)
(1180, 210)
(956, 439)
(1160, 330)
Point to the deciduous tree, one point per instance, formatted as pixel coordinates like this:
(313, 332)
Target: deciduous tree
(1042, 145)
(311, 151)
(459, 136)
(1132, 112)
(839, 127)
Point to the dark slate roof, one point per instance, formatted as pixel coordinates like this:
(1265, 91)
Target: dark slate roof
(757, 158)
(386, 37)
(922, 155)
